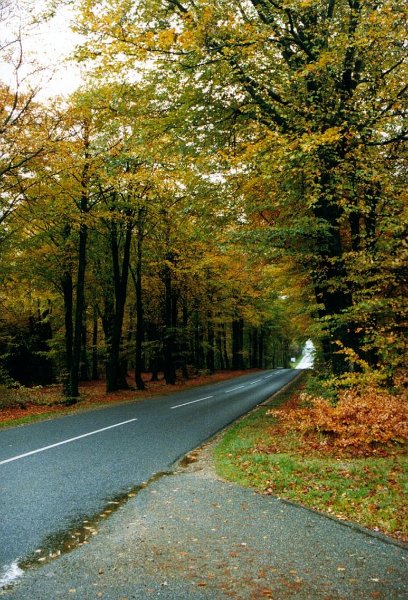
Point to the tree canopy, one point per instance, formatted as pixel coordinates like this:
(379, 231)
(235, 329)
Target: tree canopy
(229, 182)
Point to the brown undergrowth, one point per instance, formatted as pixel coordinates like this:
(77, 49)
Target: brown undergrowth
(363, 422)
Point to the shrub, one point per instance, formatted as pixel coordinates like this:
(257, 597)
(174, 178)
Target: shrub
(11, 397)
(362, 419)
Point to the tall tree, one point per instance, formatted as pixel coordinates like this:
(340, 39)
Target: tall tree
(315, 88)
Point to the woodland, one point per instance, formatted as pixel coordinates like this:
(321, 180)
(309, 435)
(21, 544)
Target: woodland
(228, 182)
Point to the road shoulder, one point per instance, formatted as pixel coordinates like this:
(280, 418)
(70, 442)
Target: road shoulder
(190, 535)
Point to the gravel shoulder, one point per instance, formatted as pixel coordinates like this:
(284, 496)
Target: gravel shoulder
(189, 535)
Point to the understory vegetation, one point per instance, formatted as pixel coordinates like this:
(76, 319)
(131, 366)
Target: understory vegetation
(325, 458)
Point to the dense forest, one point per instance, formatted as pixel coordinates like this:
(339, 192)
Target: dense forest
(228, 182)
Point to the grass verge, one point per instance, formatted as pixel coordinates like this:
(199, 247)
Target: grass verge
(371, 491)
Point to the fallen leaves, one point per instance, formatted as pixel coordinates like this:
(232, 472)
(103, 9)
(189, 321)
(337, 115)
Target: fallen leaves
(44, 400)
(363, 421)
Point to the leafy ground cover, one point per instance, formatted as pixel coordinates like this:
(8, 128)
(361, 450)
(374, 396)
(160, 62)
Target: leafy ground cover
(25, 405)
(266, 451)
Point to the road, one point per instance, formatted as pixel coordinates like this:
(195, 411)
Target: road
(57, 473)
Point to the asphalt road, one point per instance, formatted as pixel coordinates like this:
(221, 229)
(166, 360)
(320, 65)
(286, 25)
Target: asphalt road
(56, 473)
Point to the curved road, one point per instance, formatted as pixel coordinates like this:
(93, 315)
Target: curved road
(56, 473)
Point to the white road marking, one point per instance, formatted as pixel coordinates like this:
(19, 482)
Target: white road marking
(78, 437)
(192, 402)
(256, 381)
(233, 389)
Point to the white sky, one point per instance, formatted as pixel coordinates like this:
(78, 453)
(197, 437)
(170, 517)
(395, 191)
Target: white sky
(49, 44)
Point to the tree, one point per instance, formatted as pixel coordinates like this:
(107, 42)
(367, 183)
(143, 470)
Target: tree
(314, 87)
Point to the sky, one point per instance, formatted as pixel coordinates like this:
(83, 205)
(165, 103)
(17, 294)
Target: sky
(49, 44)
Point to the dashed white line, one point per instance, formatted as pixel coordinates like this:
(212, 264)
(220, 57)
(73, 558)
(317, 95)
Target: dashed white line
(233, 389)
(192, 402)
(78, 437)
(256, 381)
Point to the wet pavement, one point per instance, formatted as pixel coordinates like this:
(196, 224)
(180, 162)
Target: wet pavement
(190, 535)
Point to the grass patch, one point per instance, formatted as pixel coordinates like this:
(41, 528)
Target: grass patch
(257, 452)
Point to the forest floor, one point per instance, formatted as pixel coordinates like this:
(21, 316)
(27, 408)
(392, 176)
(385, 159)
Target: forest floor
(26, 405)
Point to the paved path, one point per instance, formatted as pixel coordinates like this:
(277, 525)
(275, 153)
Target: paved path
(191, 536)
(56, 473)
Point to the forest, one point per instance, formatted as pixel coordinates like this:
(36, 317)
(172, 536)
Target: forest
(228, 182)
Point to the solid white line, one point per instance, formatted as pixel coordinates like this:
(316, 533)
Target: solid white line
(233, 389)
(78, 437)
(192, 402)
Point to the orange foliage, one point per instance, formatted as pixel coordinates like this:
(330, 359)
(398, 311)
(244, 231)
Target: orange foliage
(361, 420)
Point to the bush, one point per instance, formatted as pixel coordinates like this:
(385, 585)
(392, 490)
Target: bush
(362, 419)
(11, 397)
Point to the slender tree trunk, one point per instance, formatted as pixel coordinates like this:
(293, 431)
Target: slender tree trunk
(186, 350)
(79, 309)
(73, 387)
(115, 378)
(198, 342)
(219, 349)
(210, 342)
(84, 367)
(95, 373)
(139, 303)
(254, 345)
(67, 289)
(224, 347)
(153, 338)
(169, 368)
(261, 348)
(237, 344)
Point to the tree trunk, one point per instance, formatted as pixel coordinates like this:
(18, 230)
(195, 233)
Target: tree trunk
(224, 347)
(198, 341)
(67, 289)
(237, 344)
(219, 350)
(73, 391)
(95, 373)
(73, 386)
(186, 350)
(153, 359)
(210, 341)
(139, 303)
(115, 377)
(169, 309)
(329, 275)
(84, 367)
(261, 348)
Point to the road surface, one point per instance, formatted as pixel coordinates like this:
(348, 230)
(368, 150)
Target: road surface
(58, 473)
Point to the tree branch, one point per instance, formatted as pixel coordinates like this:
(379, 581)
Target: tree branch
(178, 5)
